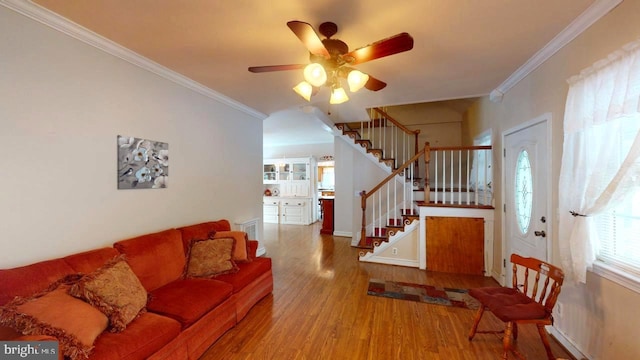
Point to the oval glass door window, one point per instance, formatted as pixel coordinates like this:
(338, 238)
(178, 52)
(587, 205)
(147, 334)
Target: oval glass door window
(523, 191)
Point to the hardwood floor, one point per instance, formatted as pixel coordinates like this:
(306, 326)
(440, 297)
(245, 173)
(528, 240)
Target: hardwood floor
(320, 309)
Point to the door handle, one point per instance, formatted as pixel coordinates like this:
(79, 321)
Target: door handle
(540, 233)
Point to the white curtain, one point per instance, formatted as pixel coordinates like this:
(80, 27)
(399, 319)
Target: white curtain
(601, 152)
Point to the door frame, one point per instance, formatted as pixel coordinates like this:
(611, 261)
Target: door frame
(544, 118)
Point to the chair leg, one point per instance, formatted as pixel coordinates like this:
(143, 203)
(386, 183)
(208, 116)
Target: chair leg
(515, 330)
(506, 340)
(545, 341)
(476, 321)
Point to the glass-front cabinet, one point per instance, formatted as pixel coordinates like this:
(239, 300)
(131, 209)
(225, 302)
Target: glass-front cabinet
(284, 171)
(269, 173)
(290, 187)
(300, 171)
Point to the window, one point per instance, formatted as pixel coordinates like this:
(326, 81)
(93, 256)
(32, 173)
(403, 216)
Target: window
(619, 228)
(599, 187)
(481, 177)
(619, 233)
(523, 191)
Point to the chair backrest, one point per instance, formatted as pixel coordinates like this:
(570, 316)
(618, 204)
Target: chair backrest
(547, 277)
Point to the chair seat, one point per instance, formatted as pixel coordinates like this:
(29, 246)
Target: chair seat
(508, 304)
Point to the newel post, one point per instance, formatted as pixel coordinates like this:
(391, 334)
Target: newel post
(427, 159)
(363, 230)
(415, 147)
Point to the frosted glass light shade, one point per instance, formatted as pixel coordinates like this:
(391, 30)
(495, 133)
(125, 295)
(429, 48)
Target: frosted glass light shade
(304, 89)
(356, 80)
(315, 74)
(338, 96)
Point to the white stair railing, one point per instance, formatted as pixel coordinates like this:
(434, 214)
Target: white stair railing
(462, 175)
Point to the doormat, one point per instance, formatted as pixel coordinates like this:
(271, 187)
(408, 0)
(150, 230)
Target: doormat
(423, 293)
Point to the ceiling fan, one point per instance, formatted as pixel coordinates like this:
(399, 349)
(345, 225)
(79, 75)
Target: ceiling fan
(331, 60)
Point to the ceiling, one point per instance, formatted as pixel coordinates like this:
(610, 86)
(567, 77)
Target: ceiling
(462, 48)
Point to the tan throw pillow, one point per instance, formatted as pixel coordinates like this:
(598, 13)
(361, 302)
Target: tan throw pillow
(241, 252)
(211, 257)
(115, 290)
(72, 321)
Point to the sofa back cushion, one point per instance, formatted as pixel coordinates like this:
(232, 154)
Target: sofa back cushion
(30, 279)
(202, 231)
(157, 259)
(89, 261)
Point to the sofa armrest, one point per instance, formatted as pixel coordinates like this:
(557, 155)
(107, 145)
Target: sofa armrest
(253, 248)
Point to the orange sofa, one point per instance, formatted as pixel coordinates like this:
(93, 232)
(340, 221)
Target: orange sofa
(184, 316)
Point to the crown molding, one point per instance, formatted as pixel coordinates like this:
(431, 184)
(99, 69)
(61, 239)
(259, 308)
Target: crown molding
(592, 14)
(59, 23)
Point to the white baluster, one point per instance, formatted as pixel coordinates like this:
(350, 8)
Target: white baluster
(435, 166)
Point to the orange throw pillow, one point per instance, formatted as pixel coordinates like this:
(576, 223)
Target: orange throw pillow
(72, 321)
(241, 252)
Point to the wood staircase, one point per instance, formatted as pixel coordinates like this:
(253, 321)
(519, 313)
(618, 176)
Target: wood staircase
(375, 136)
(396, 147)
(382, 234)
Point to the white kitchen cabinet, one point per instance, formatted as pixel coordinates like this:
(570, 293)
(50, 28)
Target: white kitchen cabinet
(292, 183)
(271, 210)
(294, 211)
(295, 189)
(294, 170)
(269, 173)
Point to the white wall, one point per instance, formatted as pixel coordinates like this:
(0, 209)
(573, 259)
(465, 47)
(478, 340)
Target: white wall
(62, 105)
(303, 150)
(599, 317)
(354, 172)
(343, 216)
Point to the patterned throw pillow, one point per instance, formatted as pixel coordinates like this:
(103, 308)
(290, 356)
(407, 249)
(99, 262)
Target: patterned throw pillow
(115, 290)
(211, 257)
(241, 251)
(54, 312)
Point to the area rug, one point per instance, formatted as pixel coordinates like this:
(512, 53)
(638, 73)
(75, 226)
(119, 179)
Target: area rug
(423, 293)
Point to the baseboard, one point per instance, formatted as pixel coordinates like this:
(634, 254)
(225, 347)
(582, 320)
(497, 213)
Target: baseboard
(498, 277)
(566, 343)
(261, 251)
(391, 261)
(343, 233)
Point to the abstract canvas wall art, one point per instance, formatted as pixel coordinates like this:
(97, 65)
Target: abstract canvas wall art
(142, 164)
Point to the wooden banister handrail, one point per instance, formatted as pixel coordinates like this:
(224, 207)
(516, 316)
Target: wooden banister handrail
(364, 195)
(449, 148)
(396, 123)
(396, 172)
(426, 152)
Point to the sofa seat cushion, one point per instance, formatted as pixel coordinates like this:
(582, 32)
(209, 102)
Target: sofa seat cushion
(187, 300)
(157, 259)
(508, 304)
(248, 272)
(144, 336)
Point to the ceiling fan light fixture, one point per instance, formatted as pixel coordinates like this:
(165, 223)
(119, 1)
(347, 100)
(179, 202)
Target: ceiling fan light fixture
(338, 96)
(315, 74)
(356, 80)
(304, 89)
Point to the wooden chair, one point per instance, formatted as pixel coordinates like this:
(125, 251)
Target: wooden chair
(521, 303)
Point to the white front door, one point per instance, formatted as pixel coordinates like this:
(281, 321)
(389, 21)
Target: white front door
(527, 172)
